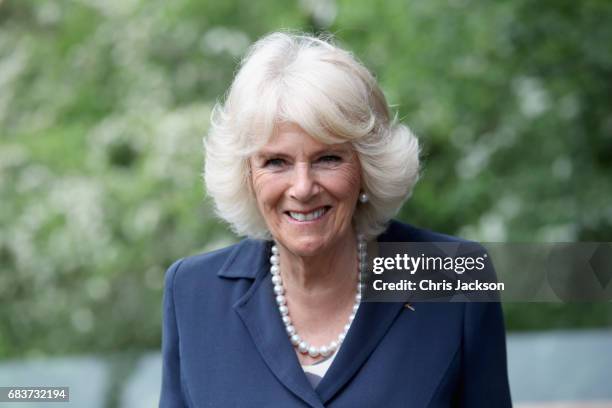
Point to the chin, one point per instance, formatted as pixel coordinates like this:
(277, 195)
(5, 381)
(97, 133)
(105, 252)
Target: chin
(306, 247)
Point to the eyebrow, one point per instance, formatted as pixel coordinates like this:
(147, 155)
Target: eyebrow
(327, 150)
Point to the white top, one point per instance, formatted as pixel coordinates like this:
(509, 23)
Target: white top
(315, 372)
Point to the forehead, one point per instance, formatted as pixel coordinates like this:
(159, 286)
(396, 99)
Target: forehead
(291, 137)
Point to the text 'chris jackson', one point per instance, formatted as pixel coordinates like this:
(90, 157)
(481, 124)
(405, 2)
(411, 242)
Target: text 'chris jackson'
(428, 285)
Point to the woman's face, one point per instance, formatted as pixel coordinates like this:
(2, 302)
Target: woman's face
(306, 190)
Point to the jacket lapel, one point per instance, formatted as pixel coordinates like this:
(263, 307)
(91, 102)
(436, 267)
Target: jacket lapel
(371, 323)
(260, 315)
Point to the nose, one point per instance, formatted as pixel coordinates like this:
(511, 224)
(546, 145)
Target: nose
(303, 184)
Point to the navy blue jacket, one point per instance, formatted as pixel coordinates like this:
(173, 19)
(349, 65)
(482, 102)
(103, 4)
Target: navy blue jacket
(224, 344)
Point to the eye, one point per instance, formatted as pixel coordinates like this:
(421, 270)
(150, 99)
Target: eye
(275, 162)
(330, 158)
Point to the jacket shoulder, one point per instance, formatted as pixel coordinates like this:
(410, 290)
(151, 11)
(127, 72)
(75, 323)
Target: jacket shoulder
(242, 260)
(202, 266)
(213, 260)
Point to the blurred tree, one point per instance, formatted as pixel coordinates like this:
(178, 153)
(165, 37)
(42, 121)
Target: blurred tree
(103, 106)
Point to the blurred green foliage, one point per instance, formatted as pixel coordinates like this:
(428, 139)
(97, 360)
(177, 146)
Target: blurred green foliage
(103, 105)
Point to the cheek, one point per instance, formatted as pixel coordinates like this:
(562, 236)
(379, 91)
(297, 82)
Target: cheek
(267, 189)
(346, 183)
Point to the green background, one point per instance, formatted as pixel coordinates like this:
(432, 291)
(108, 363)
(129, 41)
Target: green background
(103, 106)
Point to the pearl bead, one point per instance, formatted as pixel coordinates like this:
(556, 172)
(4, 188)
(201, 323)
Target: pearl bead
(333, 345)
(283, 309)
(295, 340)
(280, 299)
(303, 347)
(286, 320)
(351, 318)
(274, 250)
(290, 330)
(274, 260)
(347, 327)
(358, 297)
(355, 307)
(324, 351)
(341, 337)
(275, 271)
(278, 289)
(313, 351)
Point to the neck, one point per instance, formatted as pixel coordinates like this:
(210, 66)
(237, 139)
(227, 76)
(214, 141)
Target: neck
(328, 273)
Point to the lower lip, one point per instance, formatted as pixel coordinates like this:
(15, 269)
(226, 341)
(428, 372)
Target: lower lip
(293, 220)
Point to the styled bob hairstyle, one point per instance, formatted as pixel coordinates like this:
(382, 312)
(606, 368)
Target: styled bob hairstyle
(311, 82)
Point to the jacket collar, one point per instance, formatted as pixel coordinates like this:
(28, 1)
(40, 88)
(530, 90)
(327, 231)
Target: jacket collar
(248, 259)
(260, 315)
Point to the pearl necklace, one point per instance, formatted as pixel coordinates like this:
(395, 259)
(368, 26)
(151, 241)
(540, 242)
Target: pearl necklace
(302, 345)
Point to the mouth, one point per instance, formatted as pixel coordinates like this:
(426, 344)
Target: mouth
(310, 216)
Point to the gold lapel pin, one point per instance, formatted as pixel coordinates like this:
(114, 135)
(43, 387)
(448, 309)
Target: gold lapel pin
(407, 306)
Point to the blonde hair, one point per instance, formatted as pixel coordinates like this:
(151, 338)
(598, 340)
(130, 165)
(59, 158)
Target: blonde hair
(326, 91)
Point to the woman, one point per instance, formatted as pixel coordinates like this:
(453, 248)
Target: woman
(304, 159)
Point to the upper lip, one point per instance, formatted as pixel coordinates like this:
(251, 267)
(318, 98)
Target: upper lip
(309, 211)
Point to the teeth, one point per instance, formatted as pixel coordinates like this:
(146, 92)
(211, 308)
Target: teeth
(307, 217)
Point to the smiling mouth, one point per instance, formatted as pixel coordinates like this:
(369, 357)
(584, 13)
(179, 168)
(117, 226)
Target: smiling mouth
(310, 216)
